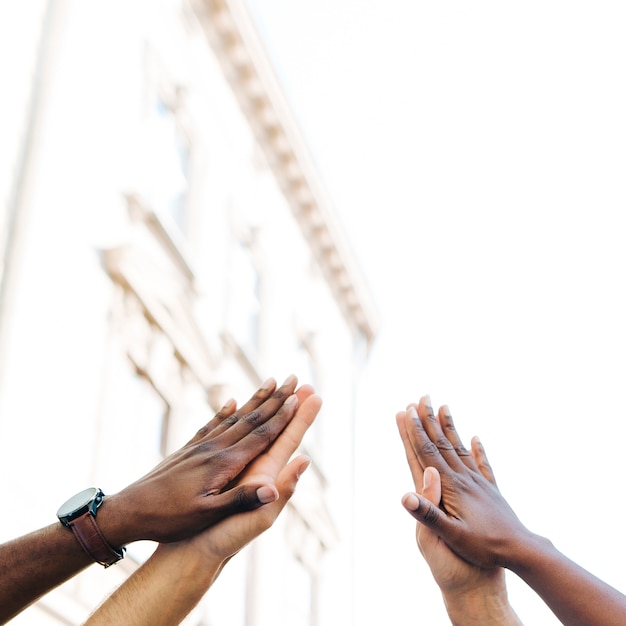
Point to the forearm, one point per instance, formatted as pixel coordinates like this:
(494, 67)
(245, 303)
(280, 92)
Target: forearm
(35, 563)
(483, 607)
(574, 595)
(174, 573)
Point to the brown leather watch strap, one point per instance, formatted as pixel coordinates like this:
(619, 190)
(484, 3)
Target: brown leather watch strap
(93, 541)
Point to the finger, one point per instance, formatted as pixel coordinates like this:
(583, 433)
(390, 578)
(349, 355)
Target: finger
(258, 520)
(427, 540)
(246, 497)
(269, 463)
(259, 397)
(414, 465)
(208, 429)
(435, 434)
(432, 486)
(284, 486)
(264, 516)
(303, 392)
(268, 411)
(221, 423)
(424, 448)
(263, 434)
(427, 513)
(480, 458)
(289, 476)
(228, 414)
(290, 439)
(444, 417)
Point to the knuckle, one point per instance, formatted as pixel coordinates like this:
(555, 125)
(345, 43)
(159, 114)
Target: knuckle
(241, 501)
(203, 431)
(443, 443)
(430, 417)
(263, 431)
(231, 419)
(485, 467)
(218, 457)
(458, 484)
(204, 447)
(253, 417)
(280, 394)
(259, 396)
(428, 448)
(417, 426)
(448, 423)
(461, 450)
(430, 515)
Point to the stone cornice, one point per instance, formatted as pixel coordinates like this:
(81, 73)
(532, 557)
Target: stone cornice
(235, 42)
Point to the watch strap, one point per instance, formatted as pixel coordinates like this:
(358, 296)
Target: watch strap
(93, 542)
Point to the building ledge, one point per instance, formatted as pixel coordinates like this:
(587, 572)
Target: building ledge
(234, 40)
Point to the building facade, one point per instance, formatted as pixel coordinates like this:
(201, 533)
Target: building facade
(165, 244)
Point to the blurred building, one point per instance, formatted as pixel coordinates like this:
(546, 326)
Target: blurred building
(165, 244)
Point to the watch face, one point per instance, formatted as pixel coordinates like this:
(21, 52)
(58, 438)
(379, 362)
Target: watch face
(77, 502)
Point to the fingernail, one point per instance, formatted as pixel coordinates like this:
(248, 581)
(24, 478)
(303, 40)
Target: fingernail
(228, 404)
(266, 494)
(304, 466)
(427, 402)
(292, 399)
(289, 380)
(411, 412)
(268, 384)
(411, 502)
(427, 477)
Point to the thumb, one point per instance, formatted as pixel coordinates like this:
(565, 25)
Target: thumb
(246, 497)
(288, 477)
(426, 539)
(432, 485)
(425, 512)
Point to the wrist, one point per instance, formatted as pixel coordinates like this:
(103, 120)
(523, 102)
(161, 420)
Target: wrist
(115, 521)
(531, 552)
(485, 604)
(195, 570)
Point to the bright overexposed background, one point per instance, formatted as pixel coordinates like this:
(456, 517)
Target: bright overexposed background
(475, 153)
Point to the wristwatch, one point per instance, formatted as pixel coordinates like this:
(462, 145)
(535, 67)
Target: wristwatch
(79, 514)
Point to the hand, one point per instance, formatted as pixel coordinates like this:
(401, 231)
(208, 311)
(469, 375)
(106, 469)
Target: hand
(454, 575)
(474, 520)
(165, 588)
(473, 595)
(187, 492)
(229, 536)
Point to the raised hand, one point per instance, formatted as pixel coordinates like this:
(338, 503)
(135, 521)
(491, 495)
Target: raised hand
(477, 524)
(186, 493)
(163, 590)
(474, 519)
(271, 468)
(473, 595)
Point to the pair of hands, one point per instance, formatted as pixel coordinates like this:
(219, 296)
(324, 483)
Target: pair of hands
(278, 478)
(220, 491)
(465, 526)
(210, 478)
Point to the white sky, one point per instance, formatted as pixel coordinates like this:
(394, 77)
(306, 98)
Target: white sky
(476, 153)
